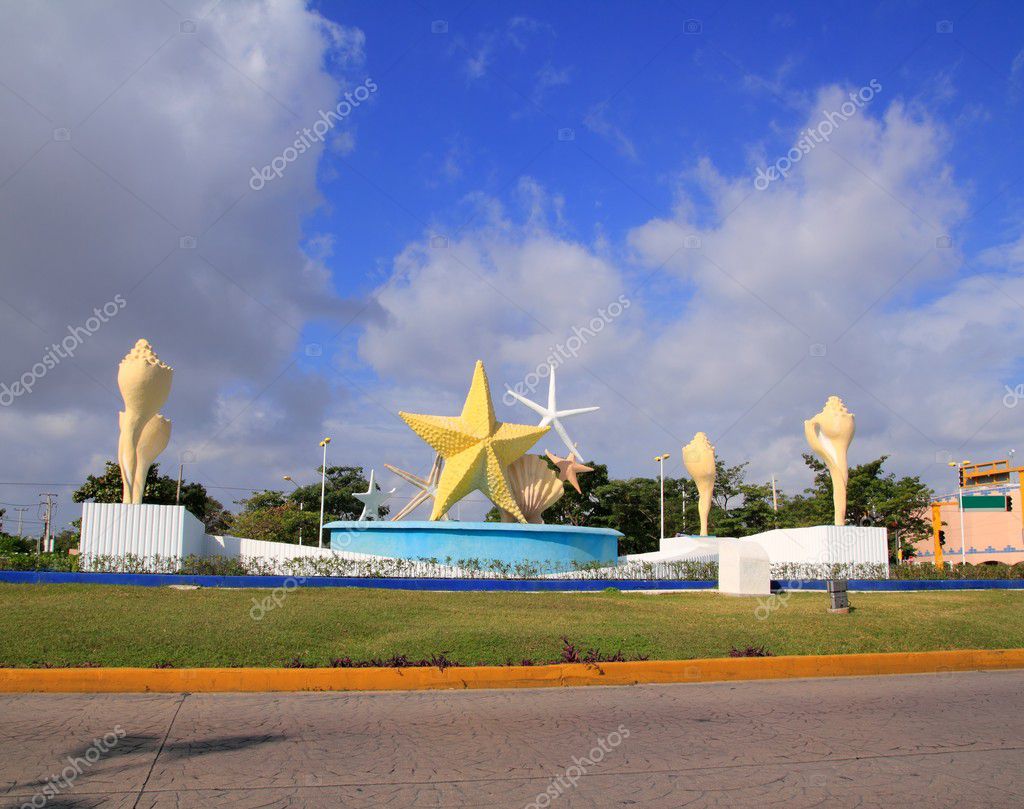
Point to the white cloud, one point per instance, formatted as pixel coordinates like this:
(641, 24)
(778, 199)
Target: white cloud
(726, 337)
(480, 60)
(1017, 76)
(597, 121)
(165, 127)
(548, 78)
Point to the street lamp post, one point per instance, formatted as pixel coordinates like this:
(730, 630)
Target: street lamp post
(301, 504)
(181, 474)
(323, 486)
(660, 460)
(960, 494)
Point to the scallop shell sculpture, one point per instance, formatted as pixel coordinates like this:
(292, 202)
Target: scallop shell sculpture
(145, 384)
(699, 458)
(830, 433)
(535, 486)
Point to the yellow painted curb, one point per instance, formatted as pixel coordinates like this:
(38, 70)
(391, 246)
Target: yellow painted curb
(123, 680)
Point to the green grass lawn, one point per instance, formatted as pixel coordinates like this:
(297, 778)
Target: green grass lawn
(68, 624)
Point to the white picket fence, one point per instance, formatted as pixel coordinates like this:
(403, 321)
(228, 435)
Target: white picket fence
(159, 537)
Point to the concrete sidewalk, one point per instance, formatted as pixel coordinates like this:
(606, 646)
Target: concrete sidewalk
(953, 740)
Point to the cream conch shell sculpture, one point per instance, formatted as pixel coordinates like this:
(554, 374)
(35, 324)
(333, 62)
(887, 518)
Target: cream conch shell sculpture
(145, 384)
(535, 487)
(829, 433)
(699, 458)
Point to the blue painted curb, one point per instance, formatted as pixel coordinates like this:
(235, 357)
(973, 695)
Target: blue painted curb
(482, 585)
(395, 583)
(903, 585)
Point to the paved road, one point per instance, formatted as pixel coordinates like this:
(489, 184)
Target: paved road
(931, 740)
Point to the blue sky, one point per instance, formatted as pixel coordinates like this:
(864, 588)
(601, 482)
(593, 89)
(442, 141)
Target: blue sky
(887, 267)
(438, 131)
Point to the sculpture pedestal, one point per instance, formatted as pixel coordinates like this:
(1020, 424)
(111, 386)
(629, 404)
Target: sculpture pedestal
(142, 530)
(743, 568)
(559, 548)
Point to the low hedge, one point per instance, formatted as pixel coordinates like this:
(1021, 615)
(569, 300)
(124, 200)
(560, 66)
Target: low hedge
(959, 571)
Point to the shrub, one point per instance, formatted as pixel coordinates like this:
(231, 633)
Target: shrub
(59, 562)
(958, 572)
(12, 544)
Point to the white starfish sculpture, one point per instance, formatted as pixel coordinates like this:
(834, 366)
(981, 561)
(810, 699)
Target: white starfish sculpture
(551, 414)
(373, 498)
(427, 486)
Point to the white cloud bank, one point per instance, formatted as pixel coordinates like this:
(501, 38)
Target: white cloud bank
(835, 280)
(129, 140)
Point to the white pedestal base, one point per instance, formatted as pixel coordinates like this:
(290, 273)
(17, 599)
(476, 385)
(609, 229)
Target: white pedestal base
(743, 568)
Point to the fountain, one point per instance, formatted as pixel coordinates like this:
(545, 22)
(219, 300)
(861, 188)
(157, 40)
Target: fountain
(480, 453)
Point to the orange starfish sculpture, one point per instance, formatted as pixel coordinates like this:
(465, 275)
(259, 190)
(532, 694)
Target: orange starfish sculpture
(569, 468)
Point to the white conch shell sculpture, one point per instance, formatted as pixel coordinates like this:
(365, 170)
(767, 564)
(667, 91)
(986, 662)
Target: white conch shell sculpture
(699, 457)
(829, 433)
(145, 384)
(535, 486)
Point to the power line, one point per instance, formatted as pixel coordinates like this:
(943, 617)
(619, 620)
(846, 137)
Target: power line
(12, 483)
(76, 485)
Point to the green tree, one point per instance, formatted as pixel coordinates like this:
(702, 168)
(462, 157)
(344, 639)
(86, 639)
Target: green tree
(12, 544)
(339, 502)
(160, 489)
(583, 508)
(276, 516)
(634, 509)
(66, 539)
(280, 522)
(899, 505)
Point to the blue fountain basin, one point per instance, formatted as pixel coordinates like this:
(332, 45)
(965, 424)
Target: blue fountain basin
(561, 546)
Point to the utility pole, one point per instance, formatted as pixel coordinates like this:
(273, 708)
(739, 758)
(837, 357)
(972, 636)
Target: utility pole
(21, 516)
(959, 465)
(177, 494)
(48, 518)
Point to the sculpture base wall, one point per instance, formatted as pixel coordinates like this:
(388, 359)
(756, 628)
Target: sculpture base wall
(563, 546)
(144, 530)
(819, 546)
(826, 545)
(150, 532)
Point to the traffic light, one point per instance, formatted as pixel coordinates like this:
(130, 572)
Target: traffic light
(1009, 503)
(942, 538)
(960, 472)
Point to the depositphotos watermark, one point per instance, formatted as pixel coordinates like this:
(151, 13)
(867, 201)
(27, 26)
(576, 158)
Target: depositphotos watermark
(260, 607)
(63, 350)
(559, 353)
(1013, 395)
(810, 138)
(309, 135)
(75, 766)
(575, 771)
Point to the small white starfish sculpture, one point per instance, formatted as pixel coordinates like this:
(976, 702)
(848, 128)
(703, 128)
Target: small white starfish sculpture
(551, 414)
(373, 498)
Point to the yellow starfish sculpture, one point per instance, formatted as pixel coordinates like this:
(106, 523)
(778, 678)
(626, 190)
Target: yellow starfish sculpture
(476, 448)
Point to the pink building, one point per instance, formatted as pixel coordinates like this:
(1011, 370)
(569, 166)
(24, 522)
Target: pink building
(993, 519)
